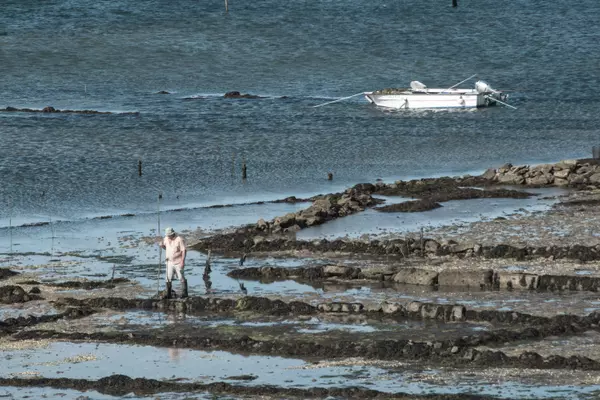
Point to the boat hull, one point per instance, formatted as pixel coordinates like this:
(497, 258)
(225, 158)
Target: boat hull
(430, 100)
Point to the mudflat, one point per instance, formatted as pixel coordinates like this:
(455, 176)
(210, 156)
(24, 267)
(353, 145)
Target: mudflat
(497, 306)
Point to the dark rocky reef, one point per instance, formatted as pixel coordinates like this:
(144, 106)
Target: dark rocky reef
(7, 273)
(571, 173)
(12, 325)
(89, 285)
(237, 95)
(410, 206)
(433, 191)
(122, 385)
(15, 294)
(53, 110)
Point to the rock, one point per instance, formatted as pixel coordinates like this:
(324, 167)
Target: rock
(49, 109)
(595, 178)
(473, 278)
(432, 311)
(562, 174)
(13, 294)
(374, 308)
(577, 179)
(337, 270)
(505, 168)
(262, 225)
(511, 178)
(415, 276)
(546, 168)
(461, 247)
(315, 220)
(390, 308)
(285, 221)
(414, 307)
(293, 228)
(540, 180)
(561, 182)
(7, 273)
(458, 313)
(470, 354)
(324, 307)
(431, 246)
(507, 280)
(489, 174)
(237, 95)
(258, 240)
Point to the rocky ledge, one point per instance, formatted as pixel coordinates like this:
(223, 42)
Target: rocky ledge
(576, 173)
(237, 95)
(53, 110)
(479, 279)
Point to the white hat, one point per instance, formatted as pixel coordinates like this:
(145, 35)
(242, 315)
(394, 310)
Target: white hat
(169, 231)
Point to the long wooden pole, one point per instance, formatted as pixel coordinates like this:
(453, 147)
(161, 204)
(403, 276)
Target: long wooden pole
(10, 226)
(159, 247)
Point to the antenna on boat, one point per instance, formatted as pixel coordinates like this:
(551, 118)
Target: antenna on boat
(463, 81)
(335, 101)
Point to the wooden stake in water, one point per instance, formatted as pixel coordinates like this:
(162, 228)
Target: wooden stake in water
(159, 247)
(10, 226)
(232, 164)
(226, 6)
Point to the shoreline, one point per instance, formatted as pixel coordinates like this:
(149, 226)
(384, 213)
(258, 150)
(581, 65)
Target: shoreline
(489, 295)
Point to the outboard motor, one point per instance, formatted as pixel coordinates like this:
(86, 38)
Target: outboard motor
(483, 87)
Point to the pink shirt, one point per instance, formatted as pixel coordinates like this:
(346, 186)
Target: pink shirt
(175, 249)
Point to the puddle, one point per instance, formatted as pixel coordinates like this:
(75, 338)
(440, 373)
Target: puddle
(34, 308)
(93, 361)
(456, 212)
(18, 393)
(587, 343)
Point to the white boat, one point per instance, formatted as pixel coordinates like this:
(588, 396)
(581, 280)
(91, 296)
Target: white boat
(420, 96)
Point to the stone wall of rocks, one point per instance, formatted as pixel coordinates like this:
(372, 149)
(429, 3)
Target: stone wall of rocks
(460, 349)
(563, 173)
(452, 278)
(323, 209)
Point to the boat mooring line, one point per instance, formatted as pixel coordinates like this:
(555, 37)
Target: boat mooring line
(335, 101)
(463, 81)
(501, 102)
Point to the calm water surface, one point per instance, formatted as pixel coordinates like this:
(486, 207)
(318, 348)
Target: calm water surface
(116, 56)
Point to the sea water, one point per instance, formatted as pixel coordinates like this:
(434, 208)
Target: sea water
(192, 142)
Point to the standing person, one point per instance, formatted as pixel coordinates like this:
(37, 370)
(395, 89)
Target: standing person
(175, 258)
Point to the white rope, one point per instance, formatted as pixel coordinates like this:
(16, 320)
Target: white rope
(453, 86)
(335, 101)
(501, 102)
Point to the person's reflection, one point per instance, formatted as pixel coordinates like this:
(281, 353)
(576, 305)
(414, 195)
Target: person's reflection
(174, 354)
